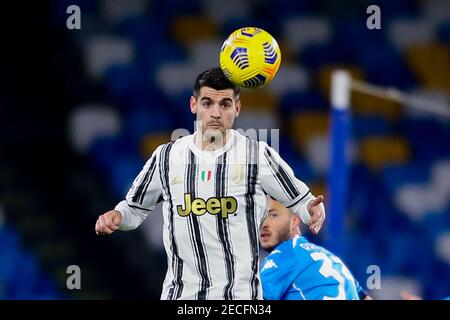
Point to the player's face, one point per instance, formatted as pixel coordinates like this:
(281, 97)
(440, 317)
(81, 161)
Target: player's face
(278, 226)
(215, 110)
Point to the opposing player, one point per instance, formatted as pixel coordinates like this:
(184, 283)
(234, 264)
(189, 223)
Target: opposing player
(213, 185)
(297, 269)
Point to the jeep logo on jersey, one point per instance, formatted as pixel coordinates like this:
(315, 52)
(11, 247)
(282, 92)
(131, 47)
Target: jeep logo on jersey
(198, 206)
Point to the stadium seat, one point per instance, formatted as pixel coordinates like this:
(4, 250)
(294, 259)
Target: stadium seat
(89, 122)
(25, 278)
(259, 100)
(177, 77)
(116, 11)
(408, 32)
(436, 11)
(431, 64)
(398, 252)
(143, 120)
(305, 125)
(400, 8)
(440, 176)
(189, 29)
(443, 246)
(310, 100)
(349, 39)
(103, 51)
(397, 175)
(224, 11)
(314, 31)
(203, 54)
(150, 142)
(104, 148)
(290, 78)
(296, 161)
(125, 169)
(363, 104)
(144, 30)
(383, 65)
(171, 9)
(417, 200)
(128, 84)
(377, 152)
(434, 133)
(317, 154)
(9, 254)
(444, 33)
(315, 56)
(369, 125)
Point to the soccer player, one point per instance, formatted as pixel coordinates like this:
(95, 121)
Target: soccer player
(297, 269)
(213, 185)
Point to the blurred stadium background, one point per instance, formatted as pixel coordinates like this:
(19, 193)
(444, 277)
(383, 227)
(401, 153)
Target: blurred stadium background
(81, 110)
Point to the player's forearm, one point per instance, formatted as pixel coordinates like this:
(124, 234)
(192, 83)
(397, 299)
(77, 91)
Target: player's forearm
(301, 208)
(131, 217)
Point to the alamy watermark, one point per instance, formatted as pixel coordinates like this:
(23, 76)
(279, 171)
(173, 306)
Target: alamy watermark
(74, 20)
(374, 20)
(74, 279)
(374, 280)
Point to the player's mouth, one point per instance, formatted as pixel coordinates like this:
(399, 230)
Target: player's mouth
(265, 235)
(215, 125)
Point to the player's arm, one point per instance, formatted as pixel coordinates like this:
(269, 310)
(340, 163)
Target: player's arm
(362, 294)
(279, 181)
(140, 200)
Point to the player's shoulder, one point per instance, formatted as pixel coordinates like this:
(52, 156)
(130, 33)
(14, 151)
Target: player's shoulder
(179, 143)
(302, 247)
(282, 256)
(283, 250)
(184, 140)
(170, 146)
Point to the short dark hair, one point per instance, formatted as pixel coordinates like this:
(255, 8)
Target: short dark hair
(216, 79)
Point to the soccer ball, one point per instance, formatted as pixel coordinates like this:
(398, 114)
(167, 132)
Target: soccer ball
(250, 57)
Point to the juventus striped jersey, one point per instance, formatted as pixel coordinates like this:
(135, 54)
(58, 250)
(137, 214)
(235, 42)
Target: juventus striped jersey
(213, 205)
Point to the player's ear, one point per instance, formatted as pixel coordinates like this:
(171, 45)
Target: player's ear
(193, 104)
(238, 107)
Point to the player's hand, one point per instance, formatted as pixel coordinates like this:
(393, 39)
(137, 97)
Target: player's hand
(409, 296)
(108, 223)
(317, 212)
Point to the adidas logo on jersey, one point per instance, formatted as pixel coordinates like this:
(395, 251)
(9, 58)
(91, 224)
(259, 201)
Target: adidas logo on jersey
(176, 180)
(198, 206)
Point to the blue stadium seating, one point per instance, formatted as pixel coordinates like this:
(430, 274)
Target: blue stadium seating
(20, 275)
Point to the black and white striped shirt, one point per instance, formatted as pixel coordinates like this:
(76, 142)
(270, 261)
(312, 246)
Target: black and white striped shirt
(213, 205)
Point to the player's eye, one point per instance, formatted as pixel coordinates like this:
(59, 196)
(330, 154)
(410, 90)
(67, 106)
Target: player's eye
(226, 105)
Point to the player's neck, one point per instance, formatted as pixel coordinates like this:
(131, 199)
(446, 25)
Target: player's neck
(296, 232)
(212, 142)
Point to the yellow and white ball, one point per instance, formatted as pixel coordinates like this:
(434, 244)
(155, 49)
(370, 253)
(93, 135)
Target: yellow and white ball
(250, 57)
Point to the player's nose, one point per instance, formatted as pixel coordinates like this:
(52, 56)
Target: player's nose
(215, 112)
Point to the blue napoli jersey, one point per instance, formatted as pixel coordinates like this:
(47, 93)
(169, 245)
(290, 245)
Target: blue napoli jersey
(300, 270)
